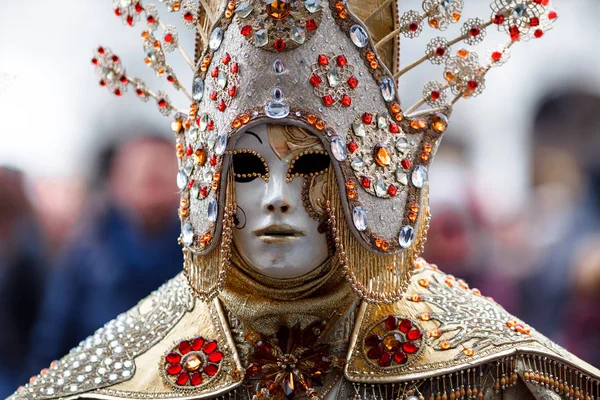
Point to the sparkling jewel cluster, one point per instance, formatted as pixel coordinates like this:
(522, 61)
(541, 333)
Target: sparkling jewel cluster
(191, 362)
(393, 342)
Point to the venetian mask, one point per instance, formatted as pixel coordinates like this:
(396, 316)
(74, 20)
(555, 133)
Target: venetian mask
(280, 191)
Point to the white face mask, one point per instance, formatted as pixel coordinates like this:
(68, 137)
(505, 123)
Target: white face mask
(274, 233)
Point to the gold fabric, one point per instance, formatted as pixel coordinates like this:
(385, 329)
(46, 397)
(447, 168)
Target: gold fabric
(264, 304)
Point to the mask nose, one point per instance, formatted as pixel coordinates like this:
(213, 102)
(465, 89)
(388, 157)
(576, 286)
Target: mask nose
(277, 198)
(282, 207)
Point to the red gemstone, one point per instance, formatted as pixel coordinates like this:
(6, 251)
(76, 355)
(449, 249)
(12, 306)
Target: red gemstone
(410, 347)
(367, 118)
(138, 7)
(95, 61)
(323, 59)
(118, 92)
(435, 95)
(328, 100)
(215, 357)
(162, 103)
(498, 19)
(365, 182)
(174, 369)
(315, 80)
(311, 25)
(373, 340)
(496, 56)
(123, 79)
(391, 323)
(392, 190)
(346, 101)
(101, 50)
(232, 91)
(215, 73)
(352, 146)
(375, 352)
(197, 344)
(226, 58)
(211, 125)
(173, 358)
(169, 37)
(353, 82)
(222, 106)
(130, 20)
(115, 59)
(235, 67)
(400, 357)
(211, 369)
(185, 347)
(117, 12)
(514, 33)
(473, 85)
(170, 78)
(440, 51)
(538, 33)
(394, 128)
(213, 160)
(102, 83)
(188, 152)
(203, 191)
(188, 16)
(414, 334)
(140, 92)
(405, 325)
(405, 163)
(150, 20)
(191, 183)
(552, 15)
(474, 31)
(196, 379)
(413, 26)
(535, 21)
(386, 359)
(342, 60)
(279, 45)
(210, 347)
(246, 30)
(182, 379)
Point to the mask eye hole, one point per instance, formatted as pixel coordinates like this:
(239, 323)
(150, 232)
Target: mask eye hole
(248, 165)
(309, 163)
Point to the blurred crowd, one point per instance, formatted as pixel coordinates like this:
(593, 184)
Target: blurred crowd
(73, 255)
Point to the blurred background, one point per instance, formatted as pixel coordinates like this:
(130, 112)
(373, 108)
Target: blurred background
(88, 200)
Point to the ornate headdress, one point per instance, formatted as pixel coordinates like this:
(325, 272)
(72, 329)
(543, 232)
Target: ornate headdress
(315, 64)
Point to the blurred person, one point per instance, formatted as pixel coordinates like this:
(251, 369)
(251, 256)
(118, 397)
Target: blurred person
(126, 248)
(22, 257)
(566, 195)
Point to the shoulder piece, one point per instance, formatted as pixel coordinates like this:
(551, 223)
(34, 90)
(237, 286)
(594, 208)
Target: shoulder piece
(168, 346)
(441, 327)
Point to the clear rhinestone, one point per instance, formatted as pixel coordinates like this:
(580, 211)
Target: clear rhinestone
(333, 76)
(195, 191)
(126, 374)
(207, 175)
(402, 177)
(357, 164)
(182, 179)
(359, 217)
(211, 140)
(402, 145)
(278, 67)
(193, 134)
(128, 364)
(407, 236)
(382, 122)
(97, 380)
(359, 36)
(312, 5)
(88, 368)
(187, 236)
(73, 388)
(261, 38)
(113, 377)
(298, 35)
(278, 95)
(203, 122)
(80, 378)
(212, 209)
(198, 89)
(244, 9)
(216, 38)
(189, 169)
(222, 80)
(50, 391)
(221, 143)
(388, 89)
(359, 129)
(60, 382)
(380, 187)
(277, 110)
(419, 176)
(338, 148)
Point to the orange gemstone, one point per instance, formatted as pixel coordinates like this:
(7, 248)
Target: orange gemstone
(236, 123)
(415, 298)
(418, 124)
(395, 108)
(343, 14)
(425, 317)
(424, 282)
(476, 292)
(398, 116)
(350, 185)
(445, 345)
(352, 194)
(449, 76)
(200, 156)
(205, 239)
(439, 123)
(412, 216)
(278, 10)
(180, 153)
(370, 56)
(463, 284)
(511, 323)
(245, 118)
(320, 125)
(339, 6)
(312, 119)
(435, 333)
(434, 23)
(469, 352)
(382, 156)
(176, 6)
(463, 53)
(449, 282)
(145, 35)
(231, 5)
(414, 207)
(228, 14)
(456, 16)
(427, 147)
(374, 64)
(424, 156)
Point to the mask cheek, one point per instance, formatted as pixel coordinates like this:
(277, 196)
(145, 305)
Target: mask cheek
(314, 195)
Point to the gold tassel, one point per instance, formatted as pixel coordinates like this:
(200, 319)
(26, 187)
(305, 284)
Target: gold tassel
(207, 273)
(375, 278)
